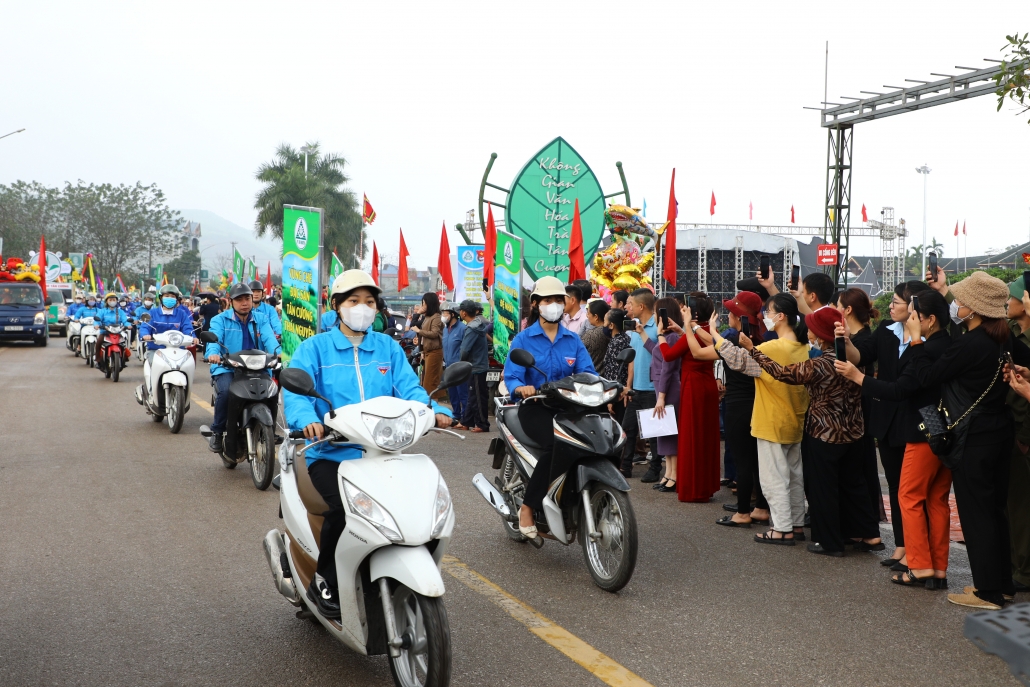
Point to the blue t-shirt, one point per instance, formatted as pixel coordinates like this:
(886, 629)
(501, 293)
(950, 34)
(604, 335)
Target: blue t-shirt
(642, 360)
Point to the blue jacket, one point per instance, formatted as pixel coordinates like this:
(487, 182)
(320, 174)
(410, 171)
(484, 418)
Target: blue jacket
(452, 337)
(141, 310)
(330, 320)
(566, 356)
(112, 316)
(86, 311)
(377, 368)
(74, 308)
(161, 322)
(272, 316)
(227, 327)
(473, 345)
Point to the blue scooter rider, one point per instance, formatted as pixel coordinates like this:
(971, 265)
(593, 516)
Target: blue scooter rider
(262, 308)
(110, 315)
(349, 364)
(238, 329)
(74, 308)
(164, 318)
(148, 303)
(91, 308)
(558, 353)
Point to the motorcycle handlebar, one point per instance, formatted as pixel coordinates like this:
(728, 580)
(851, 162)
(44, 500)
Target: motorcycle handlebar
(296, 434)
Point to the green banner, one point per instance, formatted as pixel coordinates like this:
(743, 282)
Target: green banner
(302, 244)
(159, 272)
(507, 292)
(238, 265)
(251, 271)
(335, 268)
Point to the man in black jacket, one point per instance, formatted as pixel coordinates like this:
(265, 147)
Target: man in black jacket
(474, 350)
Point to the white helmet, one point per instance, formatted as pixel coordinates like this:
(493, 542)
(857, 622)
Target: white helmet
(352, 279)
(548, 286)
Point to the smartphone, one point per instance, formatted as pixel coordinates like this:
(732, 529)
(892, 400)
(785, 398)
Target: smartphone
(629, 325)
(745, 326)
(764, 266)
(840, 348)
(915, 303)
(692, 304)
(1006, 358)
(795, 277)
(932, 265)
(664, 314)
(1026, 280)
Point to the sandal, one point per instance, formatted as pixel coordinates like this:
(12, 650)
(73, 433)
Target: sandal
(907, 579)
(889, 561)
(768, 538)
(728, 521)
(899, 567)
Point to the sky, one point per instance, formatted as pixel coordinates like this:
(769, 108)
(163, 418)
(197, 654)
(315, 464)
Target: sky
(194, 96)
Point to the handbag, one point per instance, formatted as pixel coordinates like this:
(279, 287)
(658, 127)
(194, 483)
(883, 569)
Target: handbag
(937, 426)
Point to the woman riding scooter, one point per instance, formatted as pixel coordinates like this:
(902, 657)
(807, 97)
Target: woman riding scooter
(165, 318)
(558, 353)
(344, 376)
(110, 315)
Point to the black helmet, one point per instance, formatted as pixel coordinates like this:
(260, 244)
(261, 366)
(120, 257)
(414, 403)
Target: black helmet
(256, 286)
(238, 290)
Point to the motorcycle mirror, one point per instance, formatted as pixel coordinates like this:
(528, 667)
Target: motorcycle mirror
(455, 374)
(210, 337)
(626, 356)
(521, 356)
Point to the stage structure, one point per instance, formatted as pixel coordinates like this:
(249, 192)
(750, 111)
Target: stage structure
(840, 119)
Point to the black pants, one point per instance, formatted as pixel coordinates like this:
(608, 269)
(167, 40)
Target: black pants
(981, 491)
(872, 476)
(744, 449)
(641, 400)
(891, 458)
(837, 496)
(537, 421)
(476, 409)
(323, 477)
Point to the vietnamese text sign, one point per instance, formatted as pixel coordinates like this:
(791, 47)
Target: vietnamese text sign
(507, 291)
(468, 278)
(540, 206)
(826, 254)
(302, 238)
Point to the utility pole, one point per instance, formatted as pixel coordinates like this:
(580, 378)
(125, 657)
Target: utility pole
(925, 171)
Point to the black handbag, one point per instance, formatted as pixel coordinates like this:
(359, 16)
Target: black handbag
(937, 426)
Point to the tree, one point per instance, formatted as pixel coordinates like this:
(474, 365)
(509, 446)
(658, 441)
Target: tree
(27, 211)
(1013, 80)
(185, 268)
(322, 186)
(936, 247)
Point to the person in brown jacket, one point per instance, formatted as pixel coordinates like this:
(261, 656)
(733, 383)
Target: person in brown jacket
(430, 333)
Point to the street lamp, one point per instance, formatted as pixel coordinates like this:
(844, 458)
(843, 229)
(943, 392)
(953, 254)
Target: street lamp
(307, 150)
(925, 171)
(12, 133)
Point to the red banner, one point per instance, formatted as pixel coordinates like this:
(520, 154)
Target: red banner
(826, 254)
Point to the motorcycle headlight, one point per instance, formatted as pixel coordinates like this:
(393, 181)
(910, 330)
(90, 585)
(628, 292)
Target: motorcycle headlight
(175, 339)
(40, 318)
(366, 508)
(441, 508)
(391, 433)
(589, 394)
(252, 362)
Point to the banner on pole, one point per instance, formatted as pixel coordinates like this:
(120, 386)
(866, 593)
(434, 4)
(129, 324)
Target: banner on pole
(468, 277)
(507, 292)
(826, 254)
(335, 268)
(302, 244)
(238, 265)
(159, 272)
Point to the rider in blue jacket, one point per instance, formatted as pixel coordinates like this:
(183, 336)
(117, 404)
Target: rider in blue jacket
(148, 303)
(237, 329)
(91, 308)
(558, 353)
(110, 315)
(350, 364)
(263, 308)
(166, 317)
(75, 307)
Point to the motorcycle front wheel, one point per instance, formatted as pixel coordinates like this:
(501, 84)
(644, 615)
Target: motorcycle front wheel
(115, 365)
(175, 402)
(612, 557)
(89, 355)
(263, 464)
(422, 621)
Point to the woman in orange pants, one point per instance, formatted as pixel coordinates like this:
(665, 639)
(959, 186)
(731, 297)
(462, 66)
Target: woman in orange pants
(925, 483)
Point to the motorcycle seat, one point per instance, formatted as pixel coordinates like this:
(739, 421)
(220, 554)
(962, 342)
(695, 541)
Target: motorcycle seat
(312, 500)
(509, 415)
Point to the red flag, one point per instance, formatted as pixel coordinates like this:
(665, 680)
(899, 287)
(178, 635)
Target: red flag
(963, 228)
(792, 214)
(669, 259)
(711, 208)
(42, 265)
(443, 262)
(402, 265)
(490, 248)
(956, 227)
(368, 215)
(750, 211)
(577, 265)
(268, 279)
(375, 263)
(865, 218)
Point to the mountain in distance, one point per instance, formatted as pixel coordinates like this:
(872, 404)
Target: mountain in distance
(218, 233)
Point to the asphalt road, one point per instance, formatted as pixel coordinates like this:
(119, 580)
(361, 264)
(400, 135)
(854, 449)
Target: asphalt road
(132, 557)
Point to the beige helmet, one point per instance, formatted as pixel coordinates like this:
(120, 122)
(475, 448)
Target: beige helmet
(352, 279)
(548, 286)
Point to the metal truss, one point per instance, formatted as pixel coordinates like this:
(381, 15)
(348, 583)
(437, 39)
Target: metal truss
(658, 268)
(892, 248)
(778, 229)
(788, 260)
(702, 264)
(837, 217)
(738, 259)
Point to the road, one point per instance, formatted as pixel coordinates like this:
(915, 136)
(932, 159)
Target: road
(132, 557)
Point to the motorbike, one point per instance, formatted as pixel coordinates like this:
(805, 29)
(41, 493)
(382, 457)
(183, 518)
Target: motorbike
(167, 379)
(74, 340)
(253, 404)
(587, 496)
(139, 345)
(399, 525)
(114, 352)
(88, 333)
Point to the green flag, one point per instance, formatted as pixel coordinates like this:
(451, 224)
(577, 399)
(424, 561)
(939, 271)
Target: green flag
(335, 268)
(238, 266)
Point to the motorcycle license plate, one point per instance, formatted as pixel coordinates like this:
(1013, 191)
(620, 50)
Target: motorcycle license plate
(493, 376)
(14, 328)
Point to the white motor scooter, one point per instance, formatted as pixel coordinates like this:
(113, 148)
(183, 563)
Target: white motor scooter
(167, 379)
(399, 524)
(74, 343)
(139, 346)
(88, 333)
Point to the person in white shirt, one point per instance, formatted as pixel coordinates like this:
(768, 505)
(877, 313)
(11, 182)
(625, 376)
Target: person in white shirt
(575, 314)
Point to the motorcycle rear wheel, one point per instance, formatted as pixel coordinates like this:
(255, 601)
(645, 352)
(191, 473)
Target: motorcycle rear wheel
(427, 663)
(612, 558)
(263, 464)
(175, 403)
(510, 528)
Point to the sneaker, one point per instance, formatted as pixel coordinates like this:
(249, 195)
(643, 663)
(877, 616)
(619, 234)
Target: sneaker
(325, 597)
(971, 600)
(642, 460)
(650, 476)
(214, 443)
(971, 589)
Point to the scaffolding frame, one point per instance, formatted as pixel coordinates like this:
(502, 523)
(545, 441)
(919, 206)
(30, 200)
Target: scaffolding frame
(738, 258)
(702, 263)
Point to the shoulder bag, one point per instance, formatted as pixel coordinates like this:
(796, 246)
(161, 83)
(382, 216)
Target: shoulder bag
(937, 426)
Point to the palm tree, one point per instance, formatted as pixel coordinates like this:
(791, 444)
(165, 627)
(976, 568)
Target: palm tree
(936, 247)
(322, 186)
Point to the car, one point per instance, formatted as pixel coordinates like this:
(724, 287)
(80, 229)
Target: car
(23, 313)
(57, 311)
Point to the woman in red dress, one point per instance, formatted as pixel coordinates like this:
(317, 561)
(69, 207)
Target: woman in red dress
(698, 413)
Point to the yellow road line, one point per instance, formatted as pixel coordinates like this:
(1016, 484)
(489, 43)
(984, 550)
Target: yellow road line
(601, 666)
(203, 404)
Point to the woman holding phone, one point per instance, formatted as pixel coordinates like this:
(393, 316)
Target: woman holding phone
(666, 377)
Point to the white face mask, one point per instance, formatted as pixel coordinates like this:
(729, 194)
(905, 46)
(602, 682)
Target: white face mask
(769, 323)
(953, 308)
(445, 318)
(359, 317)
(552, 312)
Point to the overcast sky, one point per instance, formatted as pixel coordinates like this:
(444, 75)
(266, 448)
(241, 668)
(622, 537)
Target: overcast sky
(194, 96)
